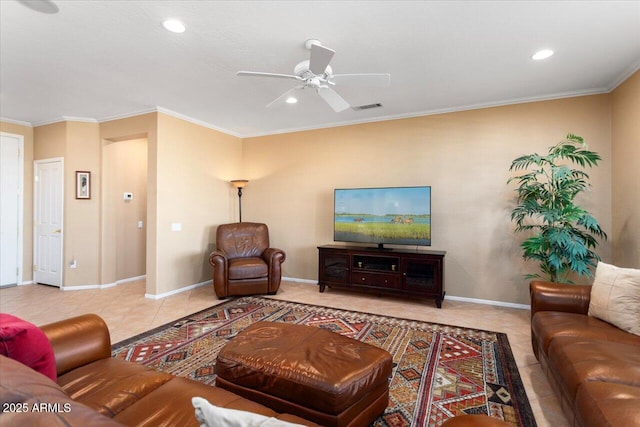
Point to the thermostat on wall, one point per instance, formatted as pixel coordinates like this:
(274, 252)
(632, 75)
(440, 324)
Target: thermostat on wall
(127, 196)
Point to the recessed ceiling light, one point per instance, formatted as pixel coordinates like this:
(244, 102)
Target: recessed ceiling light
(542, 54)
(174, 26)
(291, 100)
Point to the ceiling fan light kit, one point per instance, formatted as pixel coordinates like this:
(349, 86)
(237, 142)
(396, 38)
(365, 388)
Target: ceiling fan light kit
(316, 73)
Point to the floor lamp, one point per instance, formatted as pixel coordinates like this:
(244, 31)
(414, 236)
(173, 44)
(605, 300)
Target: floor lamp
(239, 184)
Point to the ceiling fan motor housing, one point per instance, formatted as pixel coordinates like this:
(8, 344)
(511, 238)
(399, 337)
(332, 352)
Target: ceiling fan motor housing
(302, 70)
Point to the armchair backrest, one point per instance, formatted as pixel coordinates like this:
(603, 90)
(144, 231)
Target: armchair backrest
(242, 239)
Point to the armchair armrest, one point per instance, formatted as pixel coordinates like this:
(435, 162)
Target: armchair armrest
(218, 259)
(551, 296)
(274, 255)
(78, 341)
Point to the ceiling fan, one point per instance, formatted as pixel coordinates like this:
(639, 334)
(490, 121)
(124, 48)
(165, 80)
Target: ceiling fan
(316, 73)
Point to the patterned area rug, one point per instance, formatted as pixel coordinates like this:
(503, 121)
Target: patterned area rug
(439, 371)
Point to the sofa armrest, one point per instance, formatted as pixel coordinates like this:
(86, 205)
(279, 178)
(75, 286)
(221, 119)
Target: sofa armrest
(551, 296)
(78, 341)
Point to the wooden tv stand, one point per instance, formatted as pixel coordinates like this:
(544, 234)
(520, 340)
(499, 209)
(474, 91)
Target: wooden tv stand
(391, 271)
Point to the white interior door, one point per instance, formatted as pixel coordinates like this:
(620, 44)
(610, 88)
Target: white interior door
(48, 220)
(11, 182)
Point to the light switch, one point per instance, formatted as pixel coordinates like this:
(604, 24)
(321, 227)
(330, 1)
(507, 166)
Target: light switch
(140, 224)
(176, 226)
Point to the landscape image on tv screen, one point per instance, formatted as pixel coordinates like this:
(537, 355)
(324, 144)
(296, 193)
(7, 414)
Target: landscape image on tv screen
(394, 215)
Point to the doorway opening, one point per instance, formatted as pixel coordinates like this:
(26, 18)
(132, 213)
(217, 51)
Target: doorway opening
(124, 209)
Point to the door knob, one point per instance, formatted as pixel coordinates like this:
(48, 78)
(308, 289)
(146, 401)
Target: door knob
(58, 231)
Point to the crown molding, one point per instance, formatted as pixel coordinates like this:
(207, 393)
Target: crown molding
(15, 122)
(65, 119)
(625, 75)
(128, 115)
(514, 101)
(157, 109)
(197, 122)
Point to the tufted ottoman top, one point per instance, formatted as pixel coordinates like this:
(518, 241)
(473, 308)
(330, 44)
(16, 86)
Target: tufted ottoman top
(306, 365)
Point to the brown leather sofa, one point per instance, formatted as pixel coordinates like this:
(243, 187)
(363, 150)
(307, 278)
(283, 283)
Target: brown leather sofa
(593, 366)
(94, 389)
(243, 263)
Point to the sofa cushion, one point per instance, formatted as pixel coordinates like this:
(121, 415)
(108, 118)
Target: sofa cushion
(154, 410)
(615, 297)
(31, 399)
(25, 342)
(607, 404)
(578, 360)
(546, 325)
(111, 385)
(54, 415)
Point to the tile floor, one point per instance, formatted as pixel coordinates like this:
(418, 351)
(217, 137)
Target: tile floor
(128, 312)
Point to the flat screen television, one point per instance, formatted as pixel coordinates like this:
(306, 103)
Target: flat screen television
(390, 215)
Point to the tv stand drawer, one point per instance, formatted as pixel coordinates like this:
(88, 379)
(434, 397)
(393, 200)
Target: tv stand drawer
(373, 279)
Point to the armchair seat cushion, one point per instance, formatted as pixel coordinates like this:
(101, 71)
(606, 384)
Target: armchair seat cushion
(247, 268)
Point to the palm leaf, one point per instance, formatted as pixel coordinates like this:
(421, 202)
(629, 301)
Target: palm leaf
(564, 234)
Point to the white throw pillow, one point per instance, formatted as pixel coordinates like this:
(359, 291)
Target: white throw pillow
(209, 415)
(615, 297)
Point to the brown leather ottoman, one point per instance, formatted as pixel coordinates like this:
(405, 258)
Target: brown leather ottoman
(314, 373)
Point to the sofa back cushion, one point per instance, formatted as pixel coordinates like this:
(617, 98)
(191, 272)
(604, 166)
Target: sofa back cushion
(25, 342)
(31, 399)
(615, 297)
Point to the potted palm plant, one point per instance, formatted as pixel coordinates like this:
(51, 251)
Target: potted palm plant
(561, 235)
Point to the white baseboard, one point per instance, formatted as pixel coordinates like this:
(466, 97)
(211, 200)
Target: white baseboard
(290, 279)
(489, 302)
(177, 291)
(295, 279)
(28, 282)
(447, 297)
(103, 286)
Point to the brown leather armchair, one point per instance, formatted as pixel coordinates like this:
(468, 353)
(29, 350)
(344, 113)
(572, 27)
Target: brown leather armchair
(243, 263)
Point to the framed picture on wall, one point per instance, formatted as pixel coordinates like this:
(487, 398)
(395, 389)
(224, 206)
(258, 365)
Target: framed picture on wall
(83, 185)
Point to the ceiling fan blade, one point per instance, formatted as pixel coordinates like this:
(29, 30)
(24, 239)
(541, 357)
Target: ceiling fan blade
(320, 58)
(358, 80)
(282, 98)
(259, 74)
(334, 100)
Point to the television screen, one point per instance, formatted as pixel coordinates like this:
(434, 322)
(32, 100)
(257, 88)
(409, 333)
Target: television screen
(393, 215)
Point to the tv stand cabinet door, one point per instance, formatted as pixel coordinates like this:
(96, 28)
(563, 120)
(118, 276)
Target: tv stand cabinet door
(423, 276)
(333, 268)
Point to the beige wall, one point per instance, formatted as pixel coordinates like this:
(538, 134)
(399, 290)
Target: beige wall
(82, 216)
(187, 172)
(194, 165)
(125, 171)
(50, 141)
(464, 156)
(625, 112)
(142, 126)
(27, 197)
(78, 144)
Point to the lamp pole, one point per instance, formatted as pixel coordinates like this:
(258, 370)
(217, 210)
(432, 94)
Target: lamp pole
(239, 184)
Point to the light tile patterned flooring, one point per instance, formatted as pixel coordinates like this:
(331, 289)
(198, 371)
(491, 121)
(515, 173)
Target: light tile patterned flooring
(128, 312)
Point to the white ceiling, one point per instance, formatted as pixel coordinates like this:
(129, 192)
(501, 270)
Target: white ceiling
(99, 60)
